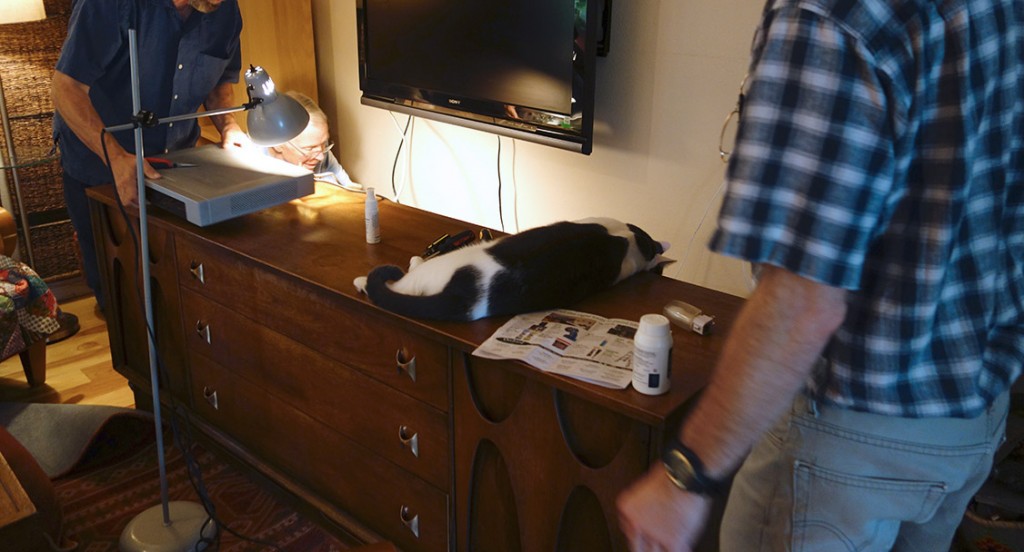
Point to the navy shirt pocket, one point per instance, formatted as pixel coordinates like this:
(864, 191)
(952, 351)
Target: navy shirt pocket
(208, 73)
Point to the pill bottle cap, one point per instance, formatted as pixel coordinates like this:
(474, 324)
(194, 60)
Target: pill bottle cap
(654, 325)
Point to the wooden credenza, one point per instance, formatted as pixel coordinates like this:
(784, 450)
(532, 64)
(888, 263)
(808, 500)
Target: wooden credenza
(386, 424)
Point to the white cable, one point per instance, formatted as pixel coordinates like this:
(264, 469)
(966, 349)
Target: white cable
(515, 189)
(400, 187)
(689, 244)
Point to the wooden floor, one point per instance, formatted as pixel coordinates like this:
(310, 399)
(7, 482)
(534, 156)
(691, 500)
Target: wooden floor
(78, 369)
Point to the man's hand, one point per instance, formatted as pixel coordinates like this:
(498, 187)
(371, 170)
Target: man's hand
(656, 515)
(123, 169)
(232, 136)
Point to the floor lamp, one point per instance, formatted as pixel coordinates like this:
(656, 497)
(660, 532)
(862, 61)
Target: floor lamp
(16, 11)
(272, 119)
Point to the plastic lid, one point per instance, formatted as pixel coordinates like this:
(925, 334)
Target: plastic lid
(654, 324)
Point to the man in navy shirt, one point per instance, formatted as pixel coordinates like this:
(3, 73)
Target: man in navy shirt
(189, 56)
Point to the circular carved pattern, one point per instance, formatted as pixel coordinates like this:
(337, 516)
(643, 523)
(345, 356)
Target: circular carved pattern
(493, 519)
(495, 392)
(594, 435)
(583, 526)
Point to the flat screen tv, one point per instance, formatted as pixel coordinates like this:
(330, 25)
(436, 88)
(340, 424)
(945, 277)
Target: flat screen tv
(519, 68)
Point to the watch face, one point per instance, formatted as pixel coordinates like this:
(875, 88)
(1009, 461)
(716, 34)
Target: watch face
(679, 469)
(685, 470)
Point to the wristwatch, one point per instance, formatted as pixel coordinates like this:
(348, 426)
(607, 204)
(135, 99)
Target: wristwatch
(687, 471)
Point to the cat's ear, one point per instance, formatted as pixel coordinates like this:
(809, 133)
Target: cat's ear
(648, 247)
(660, 263)
(664, 246)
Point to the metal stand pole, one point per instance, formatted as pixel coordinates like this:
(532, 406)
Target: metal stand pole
(157, 528)
(13, 158)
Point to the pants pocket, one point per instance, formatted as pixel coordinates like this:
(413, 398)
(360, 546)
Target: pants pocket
(835, 511)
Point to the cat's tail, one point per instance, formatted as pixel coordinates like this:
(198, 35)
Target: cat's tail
(453, 303)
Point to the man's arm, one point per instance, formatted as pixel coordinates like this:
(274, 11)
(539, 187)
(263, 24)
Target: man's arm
(231, 134)
(767, 358)
(71, 99)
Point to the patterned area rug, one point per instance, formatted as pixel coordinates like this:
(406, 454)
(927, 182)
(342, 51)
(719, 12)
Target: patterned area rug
(114, 483)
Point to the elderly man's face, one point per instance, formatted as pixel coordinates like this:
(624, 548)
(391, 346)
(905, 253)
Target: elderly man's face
(309, 148)
(204, 6)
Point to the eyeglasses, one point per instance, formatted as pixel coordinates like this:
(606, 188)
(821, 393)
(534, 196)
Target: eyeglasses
(734, 114)
(312, 151)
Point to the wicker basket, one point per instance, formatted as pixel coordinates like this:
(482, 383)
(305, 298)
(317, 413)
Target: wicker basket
(28, 55)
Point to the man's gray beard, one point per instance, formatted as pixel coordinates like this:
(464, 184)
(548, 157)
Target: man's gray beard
(203, 6)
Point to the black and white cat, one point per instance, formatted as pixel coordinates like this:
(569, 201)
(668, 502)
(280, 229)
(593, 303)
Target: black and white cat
(542, 268)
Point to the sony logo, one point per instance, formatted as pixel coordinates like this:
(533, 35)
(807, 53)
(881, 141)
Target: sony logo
(454, 101)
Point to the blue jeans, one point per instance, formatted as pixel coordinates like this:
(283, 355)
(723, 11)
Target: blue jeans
(78, 210)
(830, 479)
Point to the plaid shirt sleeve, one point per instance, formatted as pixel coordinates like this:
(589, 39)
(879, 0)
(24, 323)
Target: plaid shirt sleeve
(811, 174)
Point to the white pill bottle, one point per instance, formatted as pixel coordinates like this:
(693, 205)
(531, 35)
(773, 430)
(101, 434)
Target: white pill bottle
(652, 355)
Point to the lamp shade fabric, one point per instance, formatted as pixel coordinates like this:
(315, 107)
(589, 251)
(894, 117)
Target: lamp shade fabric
(20, 11)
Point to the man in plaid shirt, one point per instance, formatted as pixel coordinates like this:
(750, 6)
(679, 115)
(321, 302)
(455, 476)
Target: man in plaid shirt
(877, 182)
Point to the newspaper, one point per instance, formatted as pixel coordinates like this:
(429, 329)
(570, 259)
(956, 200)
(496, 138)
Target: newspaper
(575, 344)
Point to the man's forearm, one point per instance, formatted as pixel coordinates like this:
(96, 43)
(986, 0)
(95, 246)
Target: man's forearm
(223, 95)
(71, 100)
(767, 358)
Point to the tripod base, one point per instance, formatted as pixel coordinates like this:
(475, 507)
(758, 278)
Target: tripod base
(146, 532)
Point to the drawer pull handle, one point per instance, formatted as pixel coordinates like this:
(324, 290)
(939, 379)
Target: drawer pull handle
(211, 397)
(410, 520)
(203, 330)
(196, 268)
(406, 363)
(413, 443)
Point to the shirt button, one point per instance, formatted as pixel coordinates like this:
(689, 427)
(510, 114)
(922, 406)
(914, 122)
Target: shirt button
(175, 97)
(170, 125)
(180, 67)
(166, 150)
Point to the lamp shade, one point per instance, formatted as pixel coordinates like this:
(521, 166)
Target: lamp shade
(20, 11)
(276, 118)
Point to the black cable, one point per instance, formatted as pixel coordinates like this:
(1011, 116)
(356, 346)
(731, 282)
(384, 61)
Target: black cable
(394, 166)
(193, 469)
(501, 214)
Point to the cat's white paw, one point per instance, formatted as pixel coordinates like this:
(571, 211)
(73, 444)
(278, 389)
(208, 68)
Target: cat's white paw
(415, 261)
(360, 284)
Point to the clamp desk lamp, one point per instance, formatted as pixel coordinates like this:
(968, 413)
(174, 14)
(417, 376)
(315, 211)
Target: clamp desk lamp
(272, 119)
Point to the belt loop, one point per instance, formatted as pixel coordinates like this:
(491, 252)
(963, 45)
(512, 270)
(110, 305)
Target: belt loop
(812, 407)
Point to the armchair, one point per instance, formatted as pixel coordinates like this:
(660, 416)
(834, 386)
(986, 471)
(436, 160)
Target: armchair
(28, 309)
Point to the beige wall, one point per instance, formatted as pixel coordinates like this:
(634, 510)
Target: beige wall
(663, 92)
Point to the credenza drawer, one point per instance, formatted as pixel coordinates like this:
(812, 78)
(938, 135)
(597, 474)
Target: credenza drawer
(406, 431)
(349, 332)
(386, 498)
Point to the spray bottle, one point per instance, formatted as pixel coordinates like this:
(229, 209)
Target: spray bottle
(372, 217)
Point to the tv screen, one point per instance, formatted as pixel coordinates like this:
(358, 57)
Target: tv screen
(522, 68)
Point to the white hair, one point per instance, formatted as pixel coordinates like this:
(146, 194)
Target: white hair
(314, 110)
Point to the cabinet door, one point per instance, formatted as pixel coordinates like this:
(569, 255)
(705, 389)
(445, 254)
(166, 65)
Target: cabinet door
(121, 276)
(536, 468)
